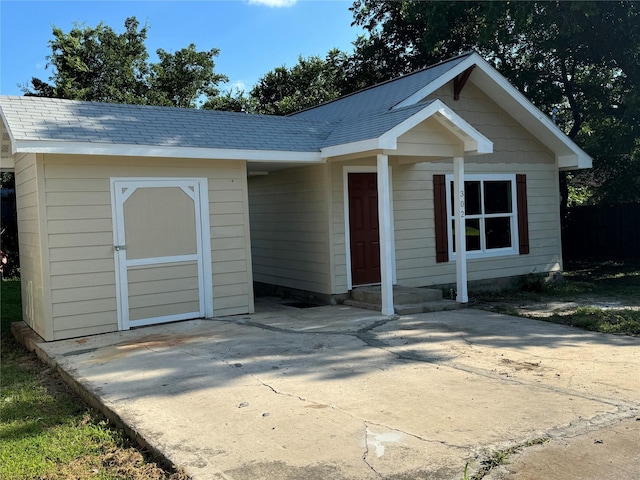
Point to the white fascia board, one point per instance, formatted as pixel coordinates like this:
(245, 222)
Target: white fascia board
(574, 162)
(532, 118)
(86, 148)
(5, 128)
(354, 147)
(511, 99)
(440, 81)
(474, 141)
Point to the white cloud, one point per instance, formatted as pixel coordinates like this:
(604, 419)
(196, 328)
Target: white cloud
(273, 3)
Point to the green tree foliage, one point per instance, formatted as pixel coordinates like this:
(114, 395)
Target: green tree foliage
(231, 101)
(98, 64)
(311, 81)
(580, 57)
(180, 78)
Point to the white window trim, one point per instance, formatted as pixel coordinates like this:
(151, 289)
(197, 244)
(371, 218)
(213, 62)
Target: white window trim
(494, 252)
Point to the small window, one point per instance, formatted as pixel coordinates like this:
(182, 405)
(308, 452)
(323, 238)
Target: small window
(490, 215)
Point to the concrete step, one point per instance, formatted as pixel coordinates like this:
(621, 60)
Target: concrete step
(411, 308)
(435, 306)
(401, 295)
(406, 300)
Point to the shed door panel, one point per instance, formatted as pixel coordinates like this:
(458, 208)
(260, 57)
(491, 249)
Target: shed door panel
(159, 251)
(363, 228)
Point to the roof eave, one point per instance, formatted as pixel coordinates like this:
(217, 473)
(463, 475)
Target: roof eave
(474, 143)
(93, 148)
(568, 154)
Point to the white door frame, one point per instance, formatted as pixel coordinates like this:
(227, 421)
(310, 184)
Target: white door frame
(197, 188)
(346, 170)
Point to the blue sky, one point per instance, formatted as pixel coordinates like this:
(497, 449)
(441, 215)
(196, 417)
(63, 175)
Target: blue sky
(254, 36)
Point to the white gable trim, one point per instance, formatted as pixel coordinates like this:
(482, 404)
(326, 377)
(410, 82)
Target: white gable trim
(474, 142)
(568, 154)
(84, 148)
(440, 81)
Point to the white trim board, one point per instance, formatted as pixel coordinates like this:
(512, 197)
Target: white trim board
(197, 189)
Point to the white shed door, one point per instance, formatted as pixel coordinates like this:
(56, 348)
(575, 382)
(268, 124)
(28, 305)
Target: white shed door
(160, 247)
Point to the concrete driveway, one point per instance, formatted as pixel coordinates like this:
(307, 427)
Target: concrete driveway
(336, 392)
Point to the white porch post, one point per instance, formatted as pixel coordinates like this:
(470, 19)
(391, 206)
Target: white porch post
(460, 229)
(385, 227)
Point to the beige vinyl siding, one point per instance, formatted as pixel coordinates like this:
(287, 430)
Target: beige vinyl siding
(290, 228)
(511, 141)
(431, 139)
(414, 225)
(515, 151)
(80, 236)
(35, 291)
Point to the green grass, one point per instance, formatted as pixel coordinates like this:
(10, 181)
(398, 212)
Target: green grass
(583, 282)
(500, 457)
(10, 304)
(620, 321)
(45, 431)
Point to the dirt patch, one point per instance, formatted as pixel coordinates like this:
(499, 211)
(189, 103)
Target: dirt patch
(149, 342)
(131, 464)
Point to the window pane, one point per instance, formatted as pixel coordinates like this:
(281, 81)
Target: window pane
(497, 196)
(473, 234)
(472, 198)
(498, 232)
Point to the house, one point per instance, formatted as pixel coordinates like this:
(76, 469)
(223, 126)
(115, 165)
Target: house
(134, 215)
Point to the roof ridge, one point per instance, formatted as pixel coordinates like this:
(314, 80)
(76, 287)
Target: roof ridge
(376, 85)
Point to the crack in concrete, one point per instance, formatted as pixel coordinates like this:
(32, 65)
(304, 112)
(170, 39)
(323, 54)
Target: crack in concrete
(366, 451)
(369, 338)
(417, 437)
(355, 417)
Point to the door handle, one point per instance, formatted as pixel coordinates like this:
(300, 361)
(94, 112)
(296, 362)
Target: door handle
(117, 248)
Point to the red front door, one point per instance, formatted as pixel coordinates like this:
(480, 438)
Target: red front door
(363, 228)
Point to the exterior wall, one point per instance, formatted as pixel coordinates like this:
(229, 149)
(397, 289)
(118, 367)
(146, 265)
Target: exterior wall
(511, 142)
(415, 235)
(290, 228)
(429, 138)
(80, 235)
(32, 242)
(515, 151)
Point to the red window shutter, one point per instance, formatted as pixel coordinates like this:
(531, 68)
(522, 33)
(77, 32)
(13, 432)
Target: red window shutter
(440, 216)
(523, 216)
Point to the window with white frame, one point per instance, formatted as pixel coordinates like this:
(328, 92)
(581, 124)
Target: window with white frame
(490, 215)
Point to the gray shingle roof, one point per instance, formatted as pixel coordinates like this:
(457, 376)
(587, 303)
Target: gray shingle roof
(380, 97)
(360, 116)
(46, 119)
(365, 127)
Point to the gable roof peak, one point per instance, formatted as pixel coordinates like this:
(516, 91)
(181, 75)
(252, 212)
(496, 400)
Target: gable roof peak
(385, 95)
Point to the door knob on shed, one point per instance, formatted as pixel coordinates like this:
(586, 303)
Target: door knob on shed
(117, 248)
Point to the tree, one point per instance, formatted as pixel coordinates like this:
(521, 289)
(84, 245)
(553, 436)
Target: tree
(181, 78)
(580, 57)
(98, 64)
(311, 81)
(231, 101)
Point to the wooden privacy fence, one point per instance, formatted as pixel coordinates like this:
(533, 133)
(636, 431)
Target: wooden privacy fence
(602, 231)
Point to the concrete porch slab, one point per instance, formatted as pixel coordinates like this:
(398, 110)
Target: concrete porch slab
(339, 392)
